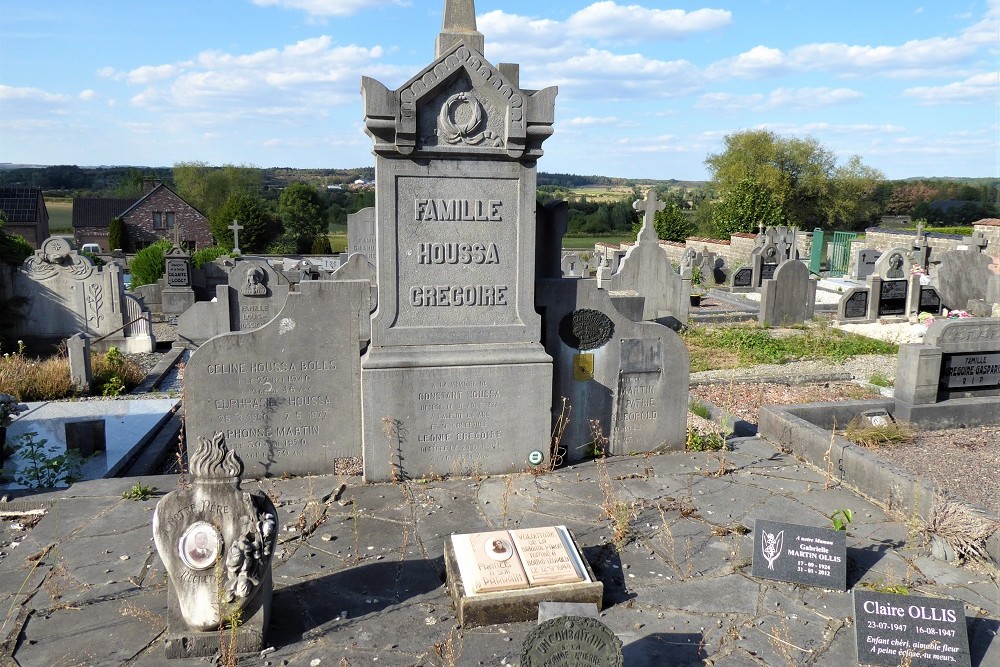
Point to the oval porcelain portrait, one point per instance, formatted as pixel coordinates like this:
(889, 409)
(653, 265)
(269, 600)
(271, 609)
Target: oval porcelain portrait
(499, 550)
(199, 546)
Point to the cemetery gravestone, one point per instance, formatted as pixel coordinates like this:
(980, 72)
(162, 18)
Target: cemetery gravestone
(800, 554)
(216, 543)
(80, 372)
(853, 305)
(257, 294)
(906, 629)
(361, 233)
(864, 265)
(645, 270)
(631, 377)
(930, 301)
(571, 641)
(789, 298)
(966, 275)
(177, 294)
(892, 298)
(743, 277)
(455, 338)
(572, 265)
(286, 396)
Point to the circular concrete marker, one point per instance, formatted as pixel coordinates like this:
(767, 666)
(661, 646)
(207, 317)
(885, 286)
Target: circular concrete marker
(535, 457)
(571, 641)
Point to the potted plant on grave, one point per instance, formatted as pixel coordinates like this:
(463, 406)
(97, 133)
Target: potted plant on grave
(697, 288)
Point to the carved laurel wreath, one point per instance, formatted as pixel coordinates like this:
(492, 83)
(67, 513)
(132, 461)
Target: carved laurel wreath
(457, 133)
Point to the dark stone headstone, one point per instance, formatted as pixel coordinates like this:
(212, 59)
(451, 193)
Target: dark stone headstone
(86, 436)
(767, 271)
(856, 305)
(906, 629)
(930, 300)
(970, 371)
(743, 277)
(892, 298)
(800, 554)
(570, 641)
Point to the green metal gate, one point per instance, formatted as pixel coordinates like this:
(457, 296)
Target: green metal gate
(840, 253)
(816, 251)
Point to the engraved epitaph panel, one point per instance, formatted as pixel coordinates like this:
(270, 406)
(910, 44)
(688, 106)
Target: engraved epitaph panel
(892, 298)
(800, 554)
(856, 305)
(910, 630)
(547, 555)
(970, 371)
(286, 396)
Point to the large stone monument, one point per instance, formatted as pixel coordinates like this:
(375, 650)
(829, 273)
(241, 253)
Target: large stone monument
(216, 543)
(452, 377)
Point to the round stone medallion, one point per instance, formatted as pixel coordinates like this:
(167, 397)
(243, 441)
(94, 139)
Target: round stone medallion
(571, 641)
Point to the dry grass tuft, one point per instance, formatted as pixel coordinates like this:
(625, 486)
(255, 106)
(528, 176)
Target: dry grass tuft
(964, 529)
(861, 432)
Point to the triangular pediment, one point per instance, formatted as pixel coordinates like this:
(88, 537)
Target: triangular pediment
(459, 104)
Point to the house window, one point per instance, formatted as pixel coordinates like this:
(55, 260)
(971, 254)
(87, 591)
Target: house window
(157, 220)
(170, 219)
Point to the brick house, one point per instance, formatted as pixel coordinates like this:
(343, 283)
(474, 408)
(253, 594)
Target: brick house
(147, 219)
(25, 212)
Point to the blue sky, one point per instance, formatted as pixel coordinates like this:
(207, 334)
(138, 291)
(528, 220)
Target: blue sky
(646, 90)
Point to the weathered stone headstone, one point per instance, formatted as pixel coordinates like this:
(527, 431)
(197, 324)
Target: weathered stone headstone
(788, 298)
(966, 275)
(909, 630)
(571, 641)
(358, 267)
(892, 298)
(216, 543)
(930, 301)
(631, 378)
(800, 554)
(743, 277)
(864, 264)
(361, 233)
(645, 270)
(64, 293)
(455, 339)
(774, 245)
(286, 396)
(572, 265)
(177, 294)
(258, 293)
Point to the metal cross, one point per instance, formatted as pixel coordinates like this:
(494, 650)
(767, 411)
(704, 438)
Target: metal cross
(648, 206)
(236, 227)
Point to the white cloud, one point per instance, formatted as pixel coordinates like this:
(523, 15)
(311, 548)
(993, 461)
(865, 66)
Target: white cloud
(11, 93)
(609, 20)
(152, 73)
(326, 7)
(758, 62)
(781, 98)
(88, 95)
(978, 88)
(592, 120)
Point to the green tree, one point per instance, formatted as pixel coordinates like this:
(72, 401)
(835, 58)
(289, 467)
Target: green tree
(117, 235)
(801, 174)
(260, 226)
(321, 245)
(303, 214)
(148, 264)
(671, 223)
(745, 208)
(857, 197)
(208, 188)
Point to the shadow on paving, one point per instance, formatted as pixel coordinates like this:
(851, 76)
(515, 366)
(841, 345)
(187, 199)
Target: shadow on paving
(304, 610)
(676, 649)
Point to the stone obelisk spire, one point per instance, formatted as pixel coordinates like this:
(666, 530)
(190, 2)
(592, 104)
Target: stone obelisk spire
(459, 25)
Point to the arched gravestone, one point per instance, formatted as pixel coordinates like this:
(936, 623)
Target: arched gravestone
(790, 297)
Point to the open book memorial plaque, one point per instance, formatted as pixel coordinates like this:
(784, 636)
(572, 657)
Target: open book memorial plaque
(501, 576)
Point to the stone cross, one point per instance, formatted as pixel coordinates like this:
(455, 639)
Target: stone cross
(236, 227)
(648, 206)
(177, 234)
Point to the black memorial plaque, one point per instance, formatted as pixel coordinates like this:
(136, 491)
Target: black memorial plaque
(800, 554)
(892, 298)
(856, 306)
(178, 273)
(906, 629)
(930, 300)
(743, 277)
(767, 271)
(571, 641)
(970, 371)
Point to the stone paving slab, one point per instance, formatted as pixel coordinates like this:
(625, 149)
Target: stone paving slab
(359, 576)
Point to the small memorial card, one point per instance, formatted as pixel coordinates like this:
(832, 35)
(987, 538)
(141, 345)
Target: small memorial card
(506, 560)
(800, 554)
(906, 629)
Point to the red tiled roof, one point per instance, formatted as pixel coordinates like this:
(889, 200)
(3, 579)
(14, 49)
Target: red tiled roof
(987, 222)
(700, 239)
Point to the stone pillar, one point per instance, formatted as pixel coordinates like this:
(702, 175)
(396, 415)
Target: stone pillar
(80, 372)
(918, 369)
